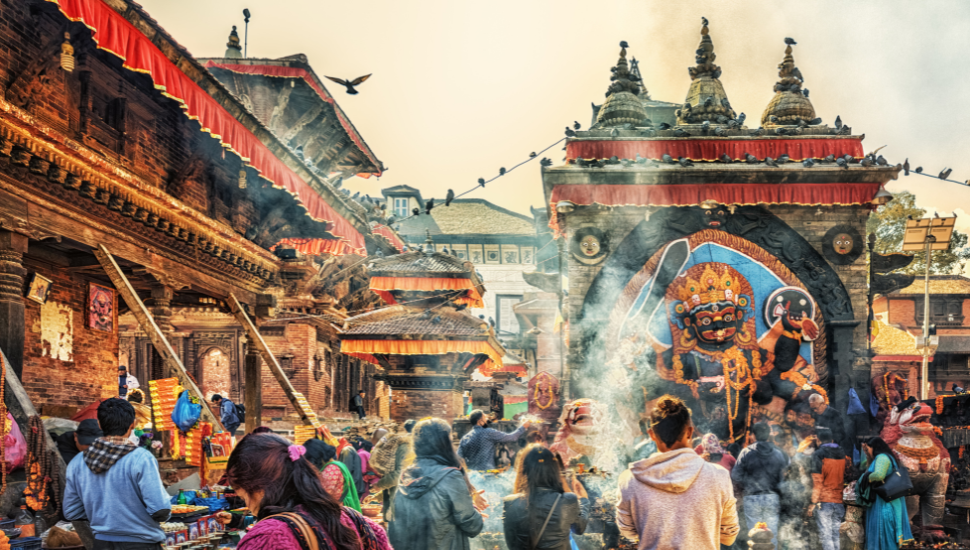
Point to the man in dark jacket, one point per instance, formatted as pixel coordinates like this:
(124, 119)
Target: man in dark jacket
(516, 520)
(828, 471)
(72, 443)
(758, 474)
(828, 417)
(477, 448)
(227, 412)
(357, 405)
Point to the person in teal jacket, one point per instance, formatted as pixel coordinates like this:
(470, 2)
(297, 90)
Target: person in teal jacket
(887, 523)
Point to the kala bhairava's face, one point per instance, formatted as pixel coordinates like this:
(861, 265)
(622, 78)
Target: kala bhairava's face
(714, 323)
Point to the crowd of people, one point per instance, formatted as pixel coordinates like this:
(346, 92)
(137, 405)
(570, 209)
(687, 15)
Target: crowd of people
(681, 489)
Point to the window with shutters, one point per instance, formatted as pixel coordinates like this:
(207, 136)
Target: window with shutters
(401, 207)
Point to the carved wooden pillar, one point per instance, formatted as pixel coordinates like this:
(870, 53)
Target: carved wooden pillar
(161, 311)
(13, 246)
(253, 388)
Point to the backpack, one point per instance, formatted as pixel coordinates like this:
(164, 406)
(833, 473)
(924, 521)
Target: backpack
(240, 411)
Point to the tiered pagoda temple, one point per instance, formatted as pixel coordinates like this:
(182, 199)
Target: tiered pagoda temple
(425, 341)
(730, 267)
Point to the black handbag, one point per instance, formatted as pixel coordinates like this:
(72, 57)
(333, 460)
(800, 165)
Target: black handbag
(896, 485)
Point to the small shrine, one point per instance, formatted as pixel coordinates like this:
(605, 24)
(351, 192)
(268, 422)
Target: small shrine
(425, 340)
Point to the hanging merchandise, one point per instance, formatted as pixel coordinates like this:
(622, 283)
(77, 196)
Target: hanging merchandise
(186, 412)
(43, 476)
(163, 402)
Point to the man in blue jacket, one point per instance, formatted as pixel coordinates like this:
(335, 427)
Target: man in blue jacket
(227, 413)
(477, 448)
(117, 486)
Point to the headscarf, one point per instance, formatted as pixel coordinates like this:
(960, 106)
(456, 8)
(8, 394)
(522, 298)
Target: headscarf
(351, 499)
(712, 445)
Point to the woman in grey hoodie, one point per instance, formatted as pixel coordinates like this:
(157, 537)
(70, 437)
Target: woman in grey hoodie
(675, 498)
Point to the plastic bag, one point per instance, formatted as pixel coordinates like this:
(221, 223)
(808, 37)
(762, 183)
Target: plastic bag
(15, 446)
(186, 413)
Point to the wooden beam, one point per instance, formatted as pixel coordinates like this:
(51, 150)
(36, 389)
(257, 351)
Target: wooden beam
(253, 389)
(158, 340)
(256, 341)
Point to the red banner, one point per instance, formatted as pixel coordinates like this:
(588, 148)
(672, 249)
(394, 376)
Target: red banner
(113, 33)
(712, 149)
(807, 194)
(314, 247)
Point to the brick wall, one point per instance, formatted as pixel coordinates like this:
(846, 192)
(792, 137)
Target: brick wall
(416, 404)
(902, 312)
(215, 373)
(66, 364)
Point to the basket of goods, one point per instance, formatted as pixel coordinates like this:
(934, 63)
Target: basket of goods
(760, 537)
(371, 510)
(63, 539)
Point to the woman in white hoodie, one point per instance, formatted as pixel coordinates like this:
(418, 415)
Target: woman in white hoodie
(675, 498)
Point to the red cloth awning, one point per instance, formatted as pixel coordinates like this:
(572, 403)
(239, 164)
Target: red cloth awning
(808, 194)
(113, 33)
(390, 235)
(296, 72)
(314, 247)
(712, 149)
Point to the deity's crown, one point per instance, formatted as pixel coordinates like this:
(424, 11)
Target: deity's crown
(717, 283)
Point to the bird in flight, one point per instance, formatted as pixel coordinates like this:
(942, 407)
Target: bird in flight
(350, 85)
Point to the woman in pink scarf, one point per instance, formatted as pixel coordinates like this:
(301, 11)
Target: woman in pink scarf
(712, 451)
(283, 490)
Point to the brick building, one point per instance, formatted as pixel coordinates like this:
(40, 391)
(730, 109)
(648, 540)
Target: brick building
(665, 225)
(154, 158)
(902, 311)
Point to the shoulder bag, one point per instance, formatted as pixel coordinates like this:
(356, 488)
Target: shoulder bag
(896, 485)
(535, 541)
(296, 520)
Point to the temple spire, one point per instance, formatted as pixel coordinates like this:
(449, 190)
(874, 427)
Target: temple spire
(622, 105)
(706, 99)
(790, 103)
(233, 49)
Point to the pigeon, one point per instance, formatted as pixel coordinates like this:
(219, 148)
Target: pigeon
(426, 314)
(750, 159)
(838, 122)
(741, 118)
(808, 163)
(704, 21)
(482, 317)
(614, 160)
(783, 158)
(945, 173)
(416, 211)
(667, 159)
(956, 388)
(906, 167)
(337, 183)
(721, 119)
(481, 181)
(805, 92)
(639, 159)
(350, 85)
(428, 206)
(781, 131)
(802, 123)
(726, 158)
(577, 125)
(532, 155)
(570, 132)
(881, 160)
(733, 123)
(842, 163)
(709, 102)
(718, 131)
(758, 132)
(664, 126)
(379, 253)
(866, 162)
(545, 162)
(725, 103)
(773, 118)
(581, 161)
(680, 133)
(771, 162)
(706, 125)
(790, 41)
(356, 195)
(615, 133)
(830, 158)
(815, 122)
(849, 158)
(461, 307)
(919, 170)
(436, 320)
(501, 171)
(685, 162)
(491, 322)
(449, 197)
(623, 44)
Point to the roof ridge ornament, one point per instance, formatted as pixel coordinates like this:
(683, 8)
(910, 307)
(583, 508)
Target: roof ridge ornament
(233, 48)
(790, 106)
(706, 99)
(622, 105)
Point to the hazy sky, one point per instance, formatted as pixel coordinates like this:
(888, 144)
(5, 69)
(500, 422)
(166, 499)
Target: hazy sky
(461, 88)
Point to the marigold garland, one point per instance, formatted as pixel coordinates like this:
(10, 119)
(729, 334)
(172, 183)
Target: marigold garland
(3, 432)
(960, 451)
(939, 404)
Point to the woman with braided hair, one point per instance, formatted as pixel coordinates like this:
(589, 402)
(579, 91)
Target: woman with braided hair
(675, 498)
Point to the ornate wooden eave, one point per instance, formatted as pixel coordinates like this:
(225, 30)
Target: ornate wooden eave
(95, 190)
(191, 67)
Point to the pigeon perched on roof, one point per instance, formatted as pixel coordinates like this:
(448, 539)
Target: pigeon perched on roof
(805, 92)
(623, 44)
(577, 125)
(815, 121)
(481, 181)
(771, 162)
(436, 320)
(790, 41)
(449, 197)
(664, 126)
(614, 133)
(866, 162)
(830, 158)
(945, 173)
(428, 206)
(570, 132)
(415, 211)
(679, 132)
(906, 167)
(427, 314)
(545, 161)
(726, 158)
(685, 162)
(758, 132)
(808, 163)
(919, 170)
(750, 159)
(881, 160)
(501, 171)
(842, 163)
(838, 122)
(667, 159)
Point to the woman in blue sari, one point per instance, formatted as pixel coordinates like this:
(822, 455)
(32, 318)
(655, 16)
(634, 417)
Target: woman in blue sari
(887, 523)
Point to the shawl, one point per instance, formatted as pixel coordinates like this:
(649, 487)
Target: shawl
(351, 498)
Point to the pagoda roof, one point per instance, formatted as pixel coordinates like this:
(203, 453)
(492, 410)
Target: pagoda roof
(418, 262)
(939, 284)
(442, 323)
(893, 344)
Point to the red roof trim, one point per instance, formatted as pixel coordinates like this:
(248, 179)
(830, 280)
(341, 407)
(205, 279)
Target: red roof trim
(900, 358)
